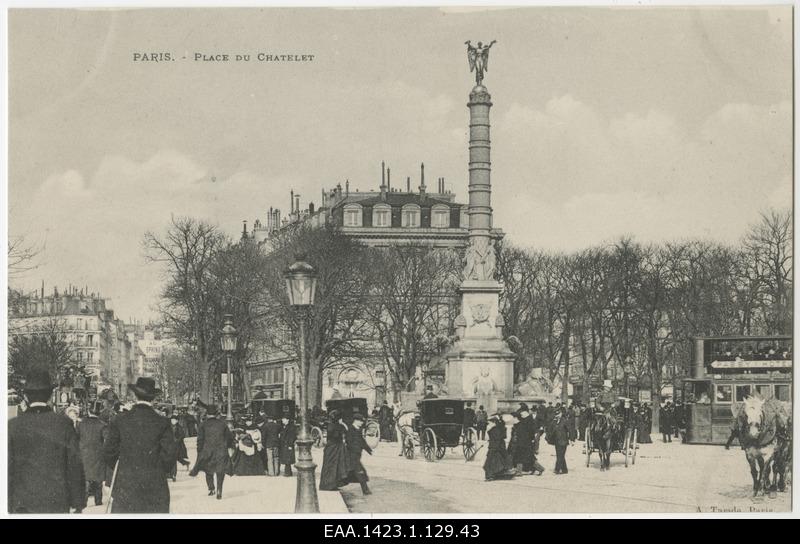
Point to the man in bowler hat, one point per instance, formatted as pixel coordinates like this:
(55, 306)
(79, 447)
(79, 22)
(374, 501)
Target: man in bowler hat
(140, 443)
(213, 440)
(45, 473)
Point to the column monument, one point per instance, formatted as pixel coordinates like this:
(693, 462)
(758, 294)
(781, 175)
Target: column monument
(479, 364)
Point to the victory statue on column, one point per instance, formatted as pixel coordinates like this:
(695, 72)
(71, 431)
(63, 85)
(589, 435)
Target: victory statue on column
(478, 59)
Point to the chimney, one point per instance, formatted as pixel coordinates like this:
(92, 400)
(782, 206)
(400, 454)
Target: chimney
(244, 229)
(422, 178)
(408, 184)
(297, 204)
(310, 208)
(42, 289)
(389, 179)
(383, 180)
(291, 197)
(347, 186)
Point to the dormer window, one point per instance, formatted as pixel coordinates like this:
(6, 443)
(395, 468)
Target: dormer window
(440, 217)
(382, 216)
(352, 215)
(411, 215)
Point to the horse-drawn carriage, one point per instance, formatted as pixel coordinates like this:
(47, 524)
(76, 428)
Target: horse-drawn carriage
(612, 430)
(275, 408)
(347, 408)
(438, 425)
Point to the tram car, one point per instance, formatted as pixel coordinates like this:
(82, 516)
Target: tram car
(724, 371)
(438, 425)
(348, 408)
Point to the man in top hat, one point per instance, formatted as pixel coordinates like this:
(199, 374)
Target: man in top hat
(287, 439)
(270, 438)
(141, 445)
(45, 473)
(560, 439)
(429, 394)
(355, 444)
(213, 440)
(91, 435)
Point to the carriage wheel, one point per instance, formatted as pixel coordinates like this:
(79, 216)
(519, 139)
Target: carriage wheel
(317, 437)
(372, 433)
(428, 443)
(626, 447)
(440, 451)
(635, 445)
(588, 447)
(470, 444)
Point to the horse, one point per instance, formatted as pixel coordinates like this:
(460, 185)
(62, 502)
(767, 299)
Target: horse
(602, 430)
(760, 425)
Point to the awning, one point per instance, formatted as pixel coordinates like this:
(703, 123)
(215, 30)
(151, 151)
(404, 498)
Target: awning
(780, 363)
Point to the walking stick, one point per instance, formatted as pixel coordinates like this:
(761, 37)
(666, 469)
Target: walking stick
(111, 490)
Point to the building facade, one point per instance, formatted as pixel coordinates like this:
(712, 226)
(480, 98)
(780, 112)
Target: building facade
(95, 335)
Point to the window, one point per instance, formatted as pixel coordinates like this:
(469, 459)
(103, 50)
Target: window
(352, 215)
(80, 356)
(89, 340)
(765, 390)
(440, 217)
(382, 216)
(90, 357)
(80, 323)
(783, 393)
(723, 393)
(410, 215)
(743, 391)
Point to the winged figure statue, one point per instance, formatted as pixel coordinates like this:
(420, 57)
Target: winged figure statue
(478, 59)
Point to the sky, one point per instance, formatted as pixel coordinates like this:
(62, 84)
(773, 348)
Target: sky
(659, 123)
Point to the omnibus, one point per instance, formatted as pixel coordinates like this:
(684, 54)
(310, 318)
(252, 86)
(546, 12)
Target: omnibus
(726, 369)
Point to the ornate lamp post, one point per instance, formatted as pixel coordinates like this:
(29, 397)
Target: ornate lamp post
(228, 344)
(301, 285)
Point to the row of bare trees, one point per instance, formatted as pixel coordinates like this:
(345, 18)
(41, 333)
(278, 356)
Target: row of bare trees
(636, 305)
(585, 312)
(393, 307)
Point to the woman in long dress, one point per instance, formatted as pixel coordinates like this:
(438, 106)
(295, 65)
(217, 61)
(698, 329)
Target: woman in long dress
(246, 461)
(334, 458)
(645, 425)
(498, 465)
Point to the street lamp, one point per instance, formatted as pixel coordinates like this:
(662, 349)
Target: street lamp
(228, 344)
(301, 286)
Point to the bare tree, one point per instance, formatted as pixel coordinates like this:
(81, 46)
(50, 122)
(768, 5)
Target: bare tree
(412, 305)
(187, 251)
(44, 345)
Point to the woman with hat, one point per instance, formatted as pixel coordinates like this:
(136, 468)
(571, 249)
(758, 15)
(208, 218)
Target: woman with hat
(246, 461)
(334, 458)
(498, 462)
(355, 445)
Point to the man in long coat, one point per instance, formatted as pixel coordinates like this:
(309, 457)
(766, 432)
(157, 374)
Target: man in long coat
(287, 439)
(91, 435)
(271, 438)
(561, 438)
(213, 440)
(140, 443)
(665, 422)
(355, 445)
(45, 473)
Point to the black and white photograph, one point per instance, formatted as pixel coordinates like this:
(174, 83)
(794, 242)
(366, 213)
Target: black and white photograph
(393, 261)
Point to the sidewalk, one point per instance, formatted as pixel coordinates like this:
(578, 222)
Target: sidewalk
(240, 494)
